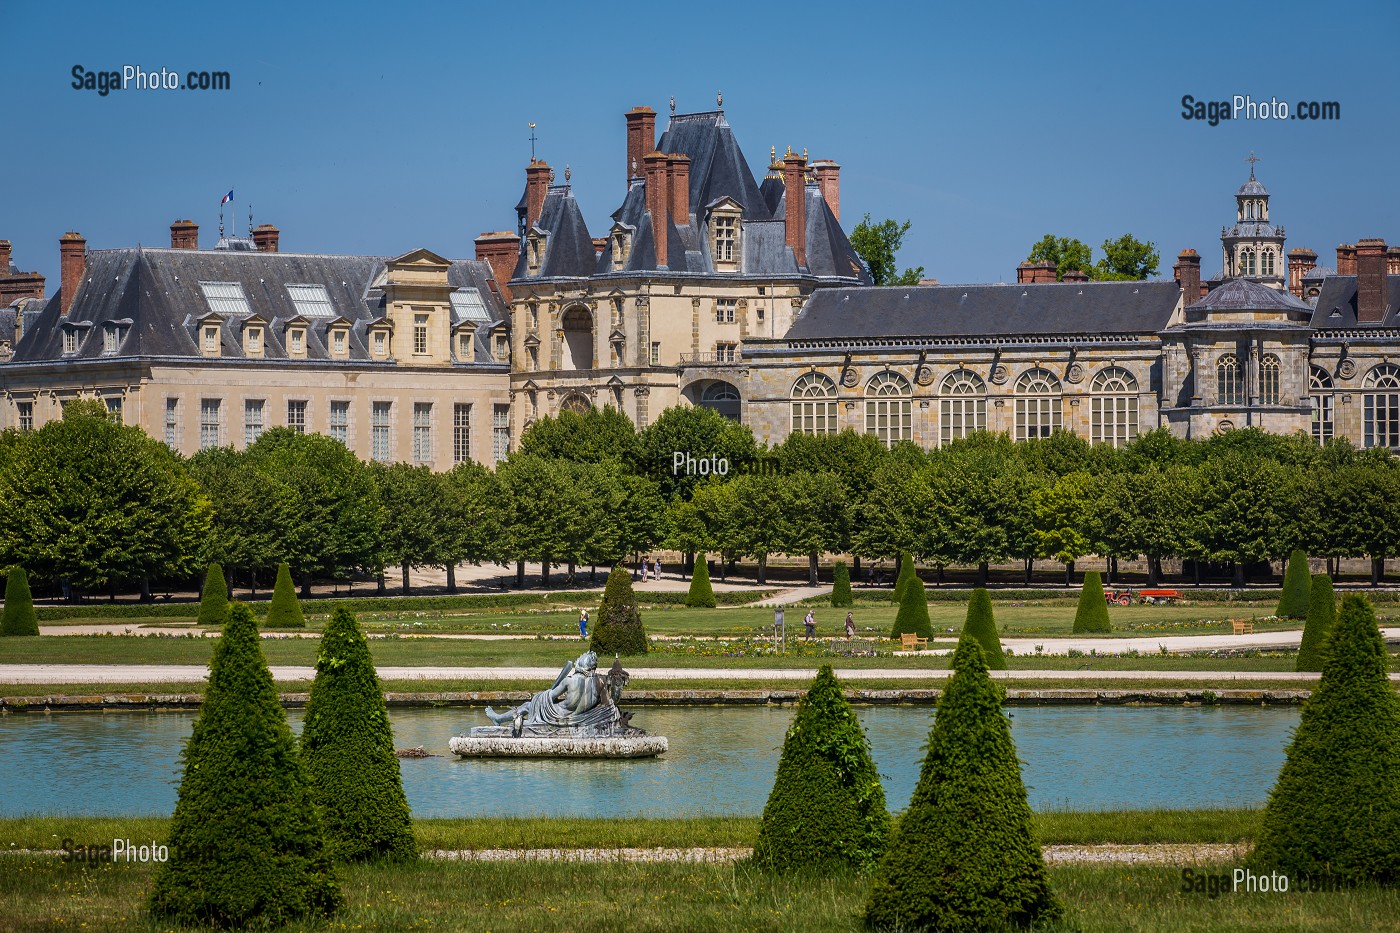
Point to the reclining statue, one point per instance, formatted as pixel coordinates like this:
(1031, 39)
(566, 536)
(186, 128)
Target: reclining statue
(580, 702)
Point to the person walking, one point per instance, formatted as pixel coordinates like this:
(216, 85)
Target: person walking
(850, 625)
(810, 621)
(583, 623)
(658, 568)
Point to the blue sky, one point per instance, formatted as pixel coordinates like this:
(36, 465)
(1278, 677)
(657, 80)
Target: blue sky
(379, 128)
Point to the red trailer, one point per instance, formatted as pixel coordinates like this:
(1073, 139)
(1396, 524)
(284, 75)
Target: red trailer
(1127, 597)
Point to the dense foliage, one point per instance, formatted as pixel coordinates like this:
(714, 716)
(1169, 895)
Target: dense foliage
(912, 617)
(213, 599)
(285, 609)
(1092, 614)
(841, 597)
(1297, 588)
(981, 624)
(826, 810)
(1322, 613)
(701, 595)
(19, 617)
(618, 629)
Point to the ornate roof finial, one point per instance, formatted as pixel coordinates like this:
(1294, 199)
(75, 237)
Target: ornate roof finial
(551, 176)
(673, 104)
(789, 152)
(772, 154)
(634, 167)
(532, 142)
(804, 153)
(1251, 160)
(719, 99)
(568, 173)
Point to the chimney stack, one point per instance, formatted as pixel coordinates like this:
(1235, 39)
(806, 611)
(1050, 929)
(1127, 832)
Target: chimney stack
(4, 258)
(15, 285)
(795, 192)
(1392, 261)
(1346, 259)
(500, 250)
(1300, 262)
(829, 181)
(184, 234)
(1076, 275)
(658, 203)
(641, 139)
(72, 251)
(1372, 296)
(536, 185)
(678, 171)
(1187, 273)
(265, 238)
(1036, 273)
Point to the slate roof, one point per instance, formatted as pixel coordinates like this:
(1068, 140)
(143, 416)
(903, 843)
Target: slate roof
(1338, 295)
(986, 310)
(569, 251)
(155, 295)
(1247, 295)
(1253, 188)
(1254, 229)
(717, 166)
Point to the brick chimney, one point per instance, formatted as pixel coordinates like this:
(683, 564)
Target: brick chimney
(266, 237)
(678, 172)
(1346, 259)
(1187, 273)
(1392, 260)
(1300, 261)
(658, 202)
(500, 249)
(641, 139)
(536, 185)
(1076, 275)
(829, 181)
(1035, 273)
(184, 234)
(72, 252)
(4, 258)
(1372, 298)
(18, 284)
(795, 191)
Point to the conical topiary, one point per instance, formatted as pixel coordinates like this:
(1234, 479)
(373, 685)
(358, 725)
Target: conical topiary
(982, 625)
(347, 746)
(285, 610)
(841, 587)
(213, 600)
(906, 573)
(1297, 587)
(1092, 615)
(964, 855)
(912, 618)
(1335, 812)
(619, 628)
(1322, 613)
(827, 809)
(701, 595)
(19, 617)
(245, 841)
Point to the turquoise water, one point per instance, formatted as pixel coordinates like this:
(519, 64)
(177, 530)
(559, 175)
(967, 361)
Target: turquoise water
(722, 760)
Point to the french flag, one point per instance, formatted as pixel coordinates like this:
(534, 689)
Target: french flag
(227, 198)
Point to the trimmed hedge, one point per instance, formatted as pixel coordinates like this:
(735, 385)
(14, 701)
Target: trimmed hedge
(347, 746)
(19, 617)
(981, 624)
(1322, 613)
(912, 617)
(284, 611)
(1297, 587)
(1092, 614)
(619, 629)
(841, 587)
(1334, 814)
(826, 811)
(245, 841)
(964, 855)
(213, 601)
(906, 573)
(700, 595)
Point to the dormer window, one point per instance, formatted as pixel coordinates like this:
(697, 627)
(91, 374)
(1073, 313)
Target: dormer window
(621, 246)
(252, 341)
(724, 236)
(380, 343)
(111, 338)
(534, 254)
(70, 340)
(464, 346)
(296, 341)
(502, 347)
(210, 339)
(340, 341)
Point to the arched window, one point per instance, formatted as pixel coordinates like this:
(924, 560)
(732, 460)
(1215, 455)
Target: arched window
(1229, 386)
(576, 403)
(1267, 263)
(1037, 404)
(963, 407)
(1113, 407)
(1247, 262)
(1248, 210)
(723, 398)
(578, 338)
(1320, 395)
(1381, 407)
(1269, 368)
(889, 408)
(814, 404)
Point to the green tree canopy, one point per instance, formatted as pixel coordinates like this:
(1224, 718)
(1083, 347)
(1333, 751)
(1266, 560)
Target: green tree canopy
(1127, 258)
(877, 244)
(618, 628)
(416, 530)
(597, 435)
(698, 432)
(1067, 253)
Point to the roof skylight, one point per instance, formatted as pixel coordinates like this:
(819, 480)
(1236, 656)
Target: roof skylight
(311, 300)
(468, 306)
(226, 298)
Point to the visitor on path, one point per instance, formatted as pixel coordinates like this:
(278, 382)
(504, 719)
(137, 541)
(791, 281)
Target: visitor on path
(811, 623)
(645, 561)
(658, 568)
(850, 625)
(583, 623)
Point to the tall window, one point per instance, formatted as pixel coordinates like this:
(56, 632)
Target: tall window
(25, 412)
(1267, 262)
(340, 422)
(889, 408)
(1113, 407)
(1037, 404)
(726, 352)
(70, 340)
(461, 432)
(500, 432)
(1229, 381)
(111, 339)
(422, 432)
(420, 333)
(211, 341)
(726, 237)
(1320, 396)
(1381, 407)
(114, 408)
(1247, 262)
(379, 431)
(655, 354)
(210, 410)
(296, 416)
(253, 421)
(338, 341)
(380, 343)
(252, 338)
(814, 405)
(296, 340)
(724, 310)
(1269, 369)
(963, 407)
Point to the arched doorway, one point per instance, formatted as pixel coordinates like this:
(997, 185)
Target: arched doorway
(722, 397)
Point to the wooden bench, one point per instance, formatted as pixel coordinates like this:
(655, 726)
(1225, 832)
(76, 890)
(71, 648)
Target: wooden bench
(1243, 628)
(910, 642)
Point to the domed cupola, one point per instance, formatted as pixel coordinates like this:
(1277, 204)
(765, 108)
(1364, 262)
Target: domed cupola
(1253, 246)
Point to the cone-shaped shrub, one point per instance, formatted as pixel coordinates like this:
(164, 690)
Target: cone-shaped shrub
(619, 627)
(285, 610)
(982, 625)
(1335, 812)
(245, 841)
(347, 746)
(912, 617)
(964, 856)
(827, 809)
(841, 587)
(906, 573)
(19, 617)
(701, 595)
(1322, 612)
(213, 600)
(1092, 615)
(1297, 588)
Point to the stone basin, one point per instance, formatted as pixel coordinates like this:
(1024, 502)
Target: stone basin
(640, 746)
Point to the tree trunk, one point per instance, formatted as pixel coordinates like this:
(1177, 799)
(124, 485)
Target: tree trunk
(593, 573)
(981, 574)
(451, 577)
(855, 567)
(253, 583)
(812, 569)
(762, 568)
(1029, 563)
(380, 587)
(1196, 571)
(1154, 571)
(1238, 582)
(1069, 572)
(940, 574)
(544, 572)
(723, 567)
(112, 591)
(520, 574)
(1377, 570)
(403, 570)
(573, 569)
(146, 588)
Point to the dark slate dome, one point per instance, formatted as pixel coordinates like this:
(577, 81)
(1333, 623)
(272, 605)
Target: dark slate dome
(1253, 188)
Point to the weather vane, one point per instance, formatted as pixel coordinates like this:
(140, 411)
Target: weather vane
(719, 99)
(673, 104)
(532, 142)
(568, 173)
(1251, 160)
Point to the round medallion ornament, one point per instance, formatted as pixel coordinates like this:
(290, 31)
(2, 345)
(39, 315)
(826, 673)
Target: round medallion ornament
(1075, 373)
(924, 375)
(1347, 369)
(999, 375)
(849, 377)
(1225, 426)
